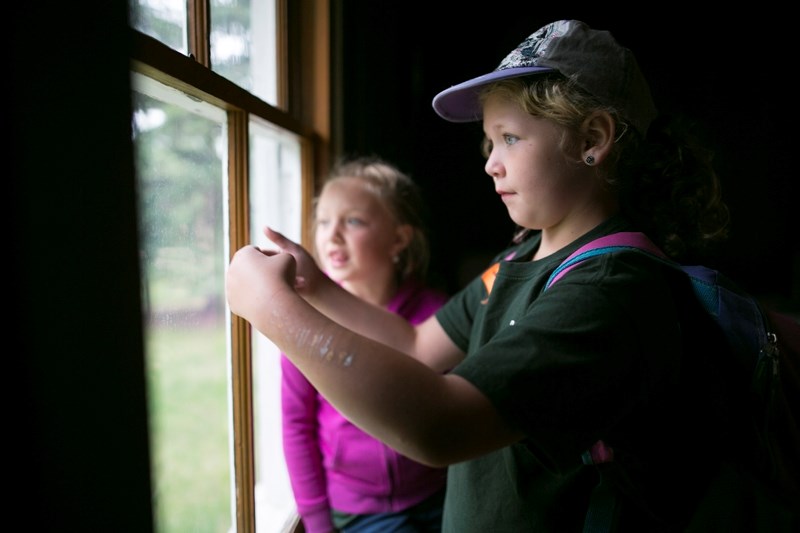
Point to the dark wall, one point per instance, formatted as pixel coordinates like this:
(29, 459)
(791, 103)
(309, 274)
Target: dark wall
(731, 74)
(76, 442)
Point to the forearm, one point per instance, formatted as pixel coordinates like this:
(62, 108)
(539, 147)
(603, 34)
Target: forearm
(402, 402)
(366, 319)
(413, 408)
(340, 305)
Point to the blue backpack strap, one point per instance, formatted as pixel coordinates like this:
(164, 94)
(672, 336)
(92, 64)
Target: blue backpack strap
(706, 283)
(624, 240)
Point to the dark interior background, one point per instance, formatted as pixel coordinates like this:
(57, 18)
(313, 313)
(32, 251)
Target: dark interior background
(731, 72)
(77, 431)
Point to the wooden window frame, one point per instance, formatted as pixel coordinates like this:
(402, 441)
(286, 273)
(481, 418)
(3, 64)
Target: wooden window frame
(303, 62)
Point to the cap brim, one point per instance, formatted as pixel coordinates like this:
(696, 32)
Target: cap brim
(460, 103)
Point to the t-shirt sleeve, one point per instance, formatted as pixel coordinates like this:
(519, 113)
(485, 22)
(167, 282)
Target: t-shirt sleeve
(457, 315)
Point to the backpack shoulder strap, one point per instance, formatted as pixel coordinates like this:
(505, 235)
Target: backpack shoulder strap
(749, 330)
(602, 514)
(609, 243)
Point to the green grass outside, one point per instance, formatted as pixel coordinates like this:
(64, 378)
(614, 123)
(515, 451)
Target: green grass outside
(188, 406)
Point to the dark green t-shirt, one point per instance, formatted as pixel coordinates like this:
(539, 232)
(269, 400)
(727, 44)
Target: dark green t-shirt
(596, 356)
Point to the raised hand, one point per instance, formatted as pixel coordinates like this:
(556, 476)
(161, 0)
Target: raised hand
(308, 273)
(254, 279)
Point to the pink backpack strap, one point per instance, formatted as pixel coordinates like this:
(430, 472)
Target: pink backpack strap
(614, 241)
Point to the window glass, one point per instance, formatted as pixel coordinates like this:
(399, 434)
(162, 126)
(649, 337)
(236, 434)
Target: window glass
(275, 201)
(180, 146)
(164, 20)
(243, 44)
(183, 147)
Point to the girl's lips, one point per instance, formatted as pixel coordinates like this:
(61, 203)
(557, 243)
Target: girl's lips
(504, 194)
(337, 259)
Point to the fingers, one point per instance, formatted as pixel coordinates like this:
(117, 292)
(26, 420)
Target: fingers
(296, 250)
(252, 249)
(276, 237)
(253, 257)
(268, 253)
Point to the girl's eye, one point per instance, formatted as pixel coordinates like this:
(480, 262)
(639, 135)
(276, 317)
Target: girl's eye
(510, 139)
(355, 222)
(486, 147)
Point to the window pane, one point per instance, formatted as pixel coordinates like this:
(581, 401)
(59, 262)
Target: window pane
(275, 200)
(164, 20)
(243, 44)
(181, 178)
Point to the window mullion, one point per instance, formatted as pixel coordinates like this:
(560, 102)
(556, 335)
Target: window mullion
(199, 31)
(241, 345)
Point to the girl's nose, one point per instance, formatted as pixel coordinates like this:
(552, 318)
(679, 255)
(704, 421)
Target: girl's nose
(335, 231)
(493, 167)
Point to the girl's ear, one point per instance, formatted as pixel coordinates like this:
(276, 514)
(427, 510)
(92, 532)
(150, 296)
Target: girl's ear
(403, 235)
(599, 134)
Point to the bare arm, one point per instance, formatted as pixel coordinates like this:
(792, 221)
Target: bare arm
(406, 404)
(427, 342)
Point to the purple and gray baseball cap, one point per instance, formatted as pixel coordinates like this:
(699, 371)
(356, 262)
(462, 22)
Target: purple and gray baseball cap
(593, 58)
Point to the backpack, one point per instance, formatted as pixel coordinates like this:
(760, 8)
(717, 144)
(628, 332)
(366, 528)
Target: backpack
(763, 343)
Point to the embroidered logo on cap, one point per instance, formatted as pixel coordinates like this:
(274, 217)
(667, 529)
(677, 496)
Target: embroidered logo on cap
(527, 54)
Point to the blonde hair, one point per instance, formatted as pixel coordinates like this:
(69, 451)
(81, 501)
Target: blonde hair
(403, 199)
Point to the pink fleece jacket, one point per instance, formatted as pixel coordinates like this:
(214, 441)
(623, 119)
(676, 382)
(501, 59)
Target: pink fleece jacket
(333, 464)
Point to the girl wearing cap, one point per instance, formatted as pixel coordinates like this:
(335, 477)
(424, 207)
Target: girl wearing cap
(608, 355)
(369, 238)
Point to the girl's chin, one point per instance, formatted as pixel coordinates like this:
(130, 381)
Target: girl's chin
(336, 274)
(517, 220)
(336, 267)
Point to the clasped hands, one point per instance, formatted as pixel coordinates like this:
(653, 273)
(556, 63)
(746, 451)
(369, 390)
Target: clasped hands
(255, 276)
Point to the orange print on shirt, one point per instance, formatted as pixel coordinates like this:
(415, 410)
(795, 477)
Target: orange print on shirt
(490, 274)
(488, 278)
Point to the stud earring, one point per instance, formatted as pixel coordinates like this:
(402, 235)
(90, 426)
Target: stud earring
(396, 259)
(590, 160)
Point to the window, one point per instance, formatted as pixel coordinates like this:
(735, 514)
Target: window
(223, 147)
(180, 179)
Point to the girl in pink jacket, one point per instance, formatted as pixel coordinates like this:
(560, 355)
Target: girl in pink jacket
(369, 237)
